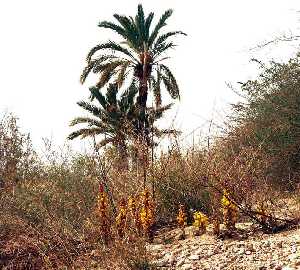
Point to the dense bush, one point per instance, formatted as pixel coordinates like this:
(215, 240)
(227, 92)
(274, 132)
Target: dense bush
(269, 120)
(18, 160)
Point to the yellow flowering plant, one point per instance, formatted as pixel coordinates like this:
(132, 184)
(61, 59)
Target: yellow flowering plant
(147, 213)
(230, 211)
(121, 219)
(200, 221)
(134, 213)
(181, 217)
(102, 212)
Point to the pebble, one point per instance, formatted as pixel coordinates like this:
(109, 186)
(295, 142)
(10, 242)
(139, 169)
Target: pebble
(194, 257)
(248, 252)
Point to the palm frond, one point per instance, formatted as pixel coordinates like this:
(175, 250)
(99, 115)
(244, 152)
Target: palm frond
(91, 108)
(97, 94)
(111, 94)
(131, 30)
(110, 45)
(85, 132)
(169, 87)
(170, 82)
(140, 24)
(157, 90)
(126, 102)
(148, 24)
(163, 47)
(87, 120)
(121, 75)
(99, 62)
(86, 71)
(107, 71)
(157, 113)
(114, 27)
(164, 37)
(161, 23)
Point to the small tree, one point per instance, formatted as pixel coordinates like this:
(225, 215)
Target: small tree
(116, 120)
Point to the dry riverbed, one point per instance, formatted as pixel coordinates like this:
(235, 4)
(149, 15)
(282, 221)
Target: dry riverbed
(248, 250)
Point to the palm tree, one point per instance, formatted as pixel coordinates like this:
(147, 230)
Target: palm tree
(116, 120)
(138, 56)
(111, 119)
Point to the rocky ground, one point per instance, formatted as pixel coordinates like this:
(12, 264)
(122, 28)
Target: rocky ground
(249, 249)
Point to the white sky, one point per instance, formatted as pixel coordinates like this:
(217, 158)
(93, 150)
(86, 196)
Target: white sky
(44, 43)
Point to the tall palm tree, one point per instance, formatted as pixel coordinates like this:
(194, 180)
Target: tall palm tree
(116, 120)
(138, 56)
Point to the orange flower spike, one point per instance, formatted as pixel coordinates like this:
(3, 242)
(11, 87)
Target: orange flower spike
(121, 218)
(147, 212)
(103, 213)
(181, 218)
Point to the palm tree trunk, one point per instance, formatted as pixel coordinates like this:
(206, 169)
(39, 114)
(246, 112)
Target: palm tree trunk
(142, 105)
(143, 89)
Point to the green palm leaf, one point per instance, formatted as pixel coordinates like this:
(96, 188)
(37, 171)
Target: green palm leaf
(161, 23)
(131, 30)
(111, 45)
(170, 82)
(164, 37)
(148, 24)
(163, 47)
(87, 120)
(114, 27)
(96, 93)
(140, 24)
(91, 108)
(85, 132)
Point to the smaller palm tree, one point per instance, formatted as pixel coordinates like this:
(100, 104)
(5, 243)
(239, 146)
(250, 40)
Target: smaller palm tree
(111, 119)
(116, 120)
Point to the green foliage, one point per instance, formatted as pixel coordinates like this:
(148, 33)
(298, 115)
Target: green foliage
(139, 51)
(116, 121)
(270, 118)
(18, 160)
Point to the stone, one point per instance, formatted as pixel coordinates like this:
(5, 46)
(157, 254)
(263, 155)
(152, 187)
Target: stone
(158, 247)
(187, 266)
(248, 252)
(194, 257)
(160, 263)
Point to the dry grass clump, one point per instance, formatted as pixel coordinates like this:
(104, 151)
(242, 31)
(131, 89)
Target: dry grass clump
(178, 178)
